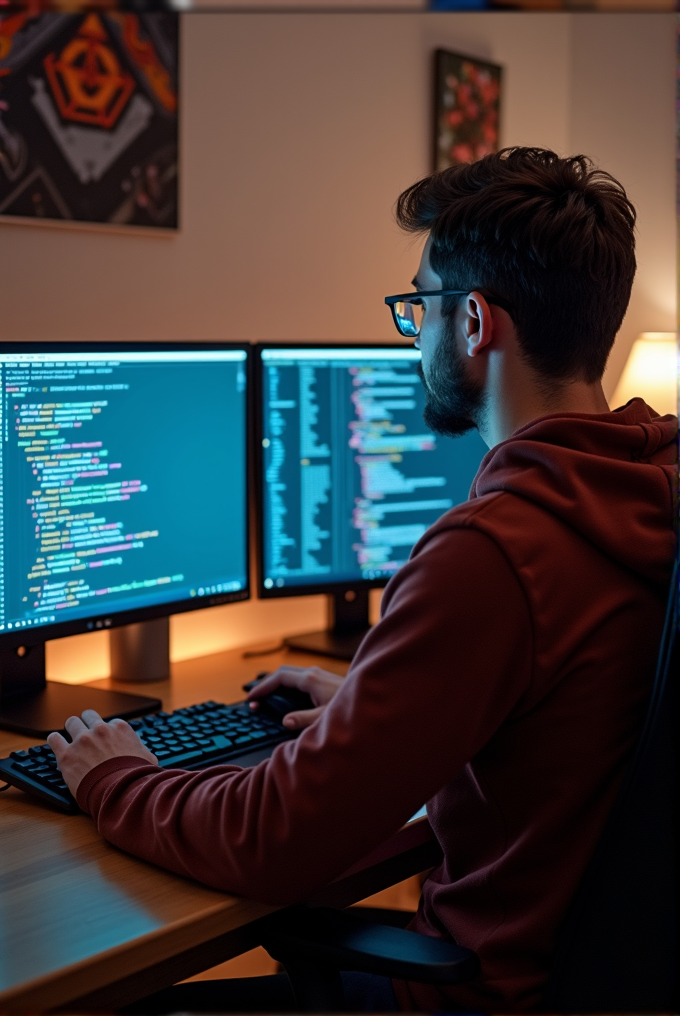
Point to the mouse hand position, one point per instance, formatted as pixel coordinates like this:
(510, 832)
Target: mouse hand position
(320, 685)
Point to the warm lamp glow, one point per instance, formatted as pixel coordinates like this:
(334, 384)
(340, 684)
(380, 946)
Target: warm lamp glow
(651, 373)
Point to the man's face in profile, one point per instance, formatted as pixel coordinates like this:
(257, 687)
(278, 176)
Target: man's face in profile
(453, 398)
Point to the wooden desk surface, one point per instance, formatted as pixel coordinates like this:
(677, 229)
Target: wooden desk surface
(81, 920)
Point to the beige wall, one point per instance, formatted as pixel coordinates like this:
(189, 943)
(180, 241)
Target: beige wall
(299, 130)
(622, 113)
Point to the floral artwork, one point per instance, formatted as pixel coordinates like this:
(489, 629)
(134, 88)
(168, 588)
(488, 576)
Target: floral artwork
(467, 108)
(88, 117)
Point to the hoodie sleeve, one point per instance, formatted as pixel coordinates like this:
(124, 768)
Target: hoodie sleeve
(428, 688)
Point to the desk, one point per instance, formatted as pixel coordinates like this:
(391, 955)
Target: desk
(85, 926)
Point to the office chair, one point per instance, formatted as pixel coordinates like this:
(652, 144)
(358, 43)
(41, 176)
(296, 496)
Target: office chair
(617, 949)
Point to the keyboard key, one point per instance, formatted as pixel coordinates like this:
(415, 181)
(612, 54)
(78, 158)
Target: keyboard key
(220, 741)
(185, 756)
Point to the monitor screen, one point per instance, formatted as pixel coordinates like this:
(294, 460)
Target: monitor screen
(122, 483)
(350, 476)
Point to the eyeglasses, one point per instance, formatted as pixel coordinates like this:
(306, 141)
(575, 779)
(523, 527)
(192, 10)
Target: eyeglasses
(407, 308)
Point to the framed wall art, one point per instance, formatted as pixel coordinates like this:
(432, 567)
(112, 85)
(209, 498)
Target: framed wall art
(467, 108)
(88, 118)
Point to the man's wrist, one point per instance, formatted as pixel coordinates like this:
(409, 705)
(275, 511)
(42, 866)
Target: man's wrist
(103, 769)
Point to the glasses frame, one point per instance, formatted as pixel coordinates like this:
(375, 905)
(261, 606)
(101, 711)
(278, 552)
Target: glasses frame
(413, 297)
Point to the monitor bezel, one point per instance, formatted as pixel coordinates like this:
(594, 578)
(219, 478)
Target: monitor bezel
(106, 621)
(308, 588)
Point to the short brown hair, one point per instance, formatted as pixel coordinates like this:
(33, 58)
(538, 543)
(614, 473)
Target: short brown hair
(554, 238)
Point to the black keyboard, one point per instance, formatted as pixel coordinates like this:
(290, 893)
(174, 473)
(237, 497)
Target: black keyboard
(191, 738)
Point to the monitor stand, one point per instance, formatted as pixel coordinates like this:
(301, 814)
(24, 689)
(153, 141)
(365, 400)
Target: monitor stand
(31, 705)
(348, 624)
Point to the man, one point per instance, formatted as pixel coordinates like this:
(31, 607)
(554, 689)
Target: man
(506, 681)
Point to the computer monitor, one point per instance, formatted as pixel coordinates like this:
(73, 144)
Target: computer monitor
(349, 477)
(123, 498)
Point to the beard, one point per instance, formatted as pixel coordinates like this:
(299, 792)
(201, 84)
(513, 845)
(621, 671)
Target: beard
(454, 401)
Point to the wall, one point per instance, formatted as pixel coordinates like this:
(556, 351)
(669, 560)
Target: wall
(299, 130)
(622, 113)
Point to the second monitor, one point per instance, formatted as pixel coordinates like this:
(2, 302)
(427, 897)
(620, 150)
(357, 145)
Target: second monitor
(349, 476)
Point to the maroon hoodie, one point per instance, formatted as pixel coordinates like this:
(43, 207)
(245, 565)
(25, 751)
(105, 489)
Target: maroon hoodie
(504, 685)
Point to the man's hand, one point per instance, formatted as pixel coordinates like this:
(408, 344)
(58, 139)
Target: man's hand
(320, 685)
(94, 741)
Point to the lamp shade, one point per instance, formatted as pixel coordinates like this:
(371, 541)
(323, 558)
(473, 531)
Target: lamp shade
(651, 372)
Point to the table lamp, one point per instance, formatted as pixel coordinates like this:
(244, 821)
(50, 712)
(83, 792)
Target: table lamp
(651, 372)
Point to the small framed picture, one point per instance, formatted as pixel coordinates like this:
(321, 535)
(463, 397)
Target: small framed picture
(467, 108)
(88, 118)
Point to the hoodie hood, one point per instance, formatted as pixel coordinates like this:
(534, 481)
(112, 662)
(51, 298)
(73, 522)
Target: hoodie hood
(612, 477)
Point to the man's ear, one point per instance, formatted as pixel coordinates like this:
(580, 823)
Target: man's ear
(478, 323)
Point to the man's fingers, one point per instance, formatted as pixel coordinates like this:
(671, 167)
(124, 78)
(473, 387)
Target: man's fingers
(263, 687)
(57, 743)
(302, 719)
(289, 677)
(91, 718)
(74, 725)
(94, 741)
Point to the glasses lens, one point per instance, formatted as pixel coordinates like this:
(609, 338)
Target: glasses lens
(408, 316)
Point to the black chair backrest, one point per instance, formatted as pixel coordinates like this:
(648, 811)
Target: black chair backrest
(617, 951)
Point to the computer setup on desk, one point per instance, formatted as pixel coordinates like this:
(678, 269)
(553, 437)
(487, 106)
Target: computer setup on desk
(124, 478)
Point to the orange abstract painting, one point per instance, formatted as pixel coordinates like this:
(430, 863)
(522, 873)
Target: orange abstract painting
(88, 117)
